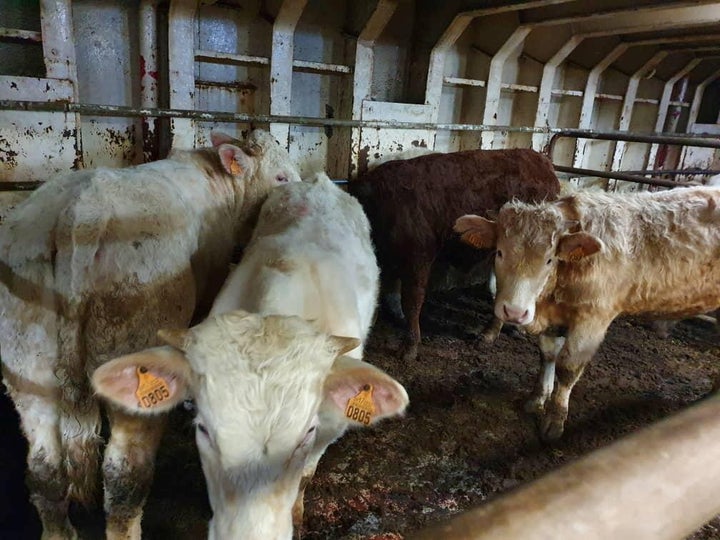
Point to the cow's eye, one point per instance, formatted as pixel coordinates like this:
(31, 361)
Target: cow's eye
(202, 429)
(549, 261)
(281, 179)
(499, 254)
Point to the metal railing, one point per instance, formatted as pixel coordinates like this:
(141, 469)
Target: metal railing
(701, 141)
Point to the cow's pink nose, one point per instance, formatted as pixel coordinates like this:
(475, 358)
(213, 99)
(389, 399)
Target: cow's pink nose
(513, 314)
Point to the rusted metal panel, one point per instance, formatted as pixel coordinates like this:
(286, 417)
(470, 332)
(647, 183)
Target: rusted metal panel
(35, 145)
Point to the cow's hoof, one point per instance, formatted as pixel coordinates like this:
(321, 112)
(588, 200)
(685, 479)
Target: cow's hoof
(409, 353)
(551, 428)
(535, 406)
(489, 336)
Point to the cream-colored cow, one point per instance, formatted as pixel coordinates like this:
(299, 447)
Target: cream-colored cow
(92, 264)
(272, 390)
(577, 263)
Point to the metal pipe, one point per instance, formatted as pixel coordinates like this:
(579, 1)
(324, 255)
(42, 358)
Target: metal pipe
(688, 139)
(622, 176)
(220, 116)
(689, 172)
(660, 483)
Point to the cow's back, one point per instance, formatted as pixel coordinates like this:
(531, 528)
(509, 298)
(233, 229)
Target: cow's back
(415, 202)
(311, 256)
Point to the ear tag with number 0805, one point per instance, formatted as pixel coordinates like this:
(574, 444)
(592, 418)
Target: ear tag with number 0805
(361, 407)
(151, 390)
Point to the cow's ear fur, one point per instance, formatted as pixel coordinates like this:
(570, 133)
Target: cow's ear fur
(340, 345)
(118, 380)
(573, 247)
(349, 377)
(233, 159)
(218, 137)
(476, 231)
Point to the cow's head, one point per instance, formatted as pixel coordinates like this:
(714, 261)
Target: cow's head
(257, 165)
(268, 392)
(530, 241)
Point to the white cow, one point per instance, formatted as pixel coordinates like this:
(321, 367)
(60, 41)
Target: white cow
(92, 264)
(273, 390)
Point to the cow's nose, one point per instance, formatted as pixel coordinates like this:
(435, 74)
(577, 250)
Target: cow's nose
(513, 314)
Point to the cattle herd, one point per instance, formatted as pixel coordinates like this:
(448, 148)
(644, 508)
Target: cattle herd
(117, 297)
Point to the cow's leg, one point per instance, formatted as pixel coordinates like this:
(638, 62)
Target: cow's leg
(128, 471)
(46, 477)
(491, 332)
(583, 340)
(414, 284)
(550, 347)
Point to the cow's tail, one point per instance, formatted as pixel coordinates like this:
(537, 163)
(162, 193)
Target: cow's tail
(80, 419)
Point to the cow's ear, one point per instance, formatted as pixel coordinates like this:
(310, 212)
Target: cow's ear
(218, 137)
(573, 247)
(476, 231)
(362, 394)
(233, 159)
(148, 382)
(340, 345)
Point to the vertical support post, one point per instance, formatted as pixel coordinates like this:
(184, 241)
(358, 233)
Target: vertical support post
(181, 60)
(588, 104)
(59, 55)
(697, 100)
(363, 71)
(58, 41)
(281, 65)
(539, 140)
(492, 95)
(438, 55)
(627, 109)
(148, 75)
(695, 109)
(664, 105)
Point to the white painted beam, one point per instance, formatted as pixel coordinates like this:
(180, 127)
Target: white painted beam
(181, 64)
(697, 100)
(627, 108)
(511, 47)
(58, 40)
(665, 104)
(589, 99)
(363, 70)
(281, 65)
(147, 13)
(546, 86)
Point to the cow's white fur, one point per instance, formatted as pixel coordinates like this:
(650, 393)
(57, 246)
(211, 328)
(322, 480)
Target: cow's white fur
(92, 264)
(581, 261)
(269, 388)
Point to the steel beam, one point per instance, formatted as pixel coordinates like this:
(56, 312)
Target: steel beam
(628, 104)
(512, 46)
(181, 67)
(281, 65)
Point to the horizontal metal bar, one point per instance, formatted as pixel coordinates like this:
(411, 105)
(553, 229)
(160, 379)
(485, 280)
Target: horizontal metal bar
(660, 483)
(321, 67)
(688, 172)
(622, 176)
(459, 81)
(14, 34)
(221, 116)
(688, 139)
(214, 57)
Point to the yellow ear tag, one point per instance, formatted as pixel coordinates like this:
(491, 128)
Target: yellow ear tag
(151, 390)
(575, 255)
(235, 168)
(361, 407)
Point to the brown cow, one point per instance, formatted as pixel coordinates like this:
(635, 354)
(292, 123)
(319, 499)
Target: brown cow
(575, 264)
(412, 205)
